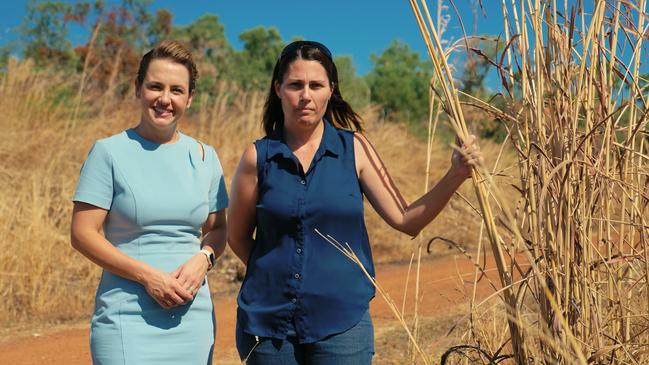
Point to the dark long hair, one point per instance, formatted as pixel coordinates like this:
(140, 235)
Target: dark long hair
(338, 112)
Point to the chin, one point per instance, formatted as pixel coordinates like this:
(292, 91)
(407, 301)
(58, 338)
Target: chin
(162, 122)
(309, 121)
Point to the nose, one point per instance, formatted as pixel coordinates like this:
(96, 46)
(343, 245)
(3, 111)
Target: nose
(306, 93)
(165, 97)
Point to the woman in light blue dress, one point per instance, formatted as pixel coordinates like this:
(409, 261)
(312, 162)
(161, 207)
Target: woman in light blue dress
(159, 197)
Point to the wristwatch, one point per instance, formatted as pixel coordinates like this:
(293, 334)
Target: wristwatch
(210, 258)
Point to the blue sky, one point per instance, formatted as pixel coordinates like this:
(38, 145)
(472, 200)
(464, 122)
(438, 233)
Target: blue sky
(352, 27)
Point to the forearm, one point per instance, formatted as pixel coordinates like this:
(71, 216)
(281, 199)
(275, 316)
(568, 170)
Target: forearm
(421, 212)
(99, 250)
(215, 240)
(242, 248)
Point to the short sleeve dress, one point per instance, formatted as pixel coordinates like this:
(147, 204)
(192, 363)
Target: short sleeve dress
(157, 197)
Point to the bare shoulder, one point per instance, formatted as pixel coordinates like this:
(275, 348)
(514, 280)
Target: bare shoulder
(362, 146)
(363, 152)
(360, 138)
(249, 159)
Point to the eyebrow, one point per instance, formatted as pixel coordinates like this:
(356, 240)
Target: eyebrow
(155, 82)
(301, 80)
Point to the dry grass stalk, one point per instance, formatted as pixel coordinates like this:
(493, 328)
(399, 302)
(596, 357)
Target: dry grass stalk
(451, 103)
(84, 72)
(346, 250)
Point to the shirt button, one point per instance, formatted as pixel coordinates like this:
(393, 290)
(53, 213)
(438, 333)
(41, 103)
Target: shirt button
(293, 300)
(297, 276)
(303, 182)
(299, 250)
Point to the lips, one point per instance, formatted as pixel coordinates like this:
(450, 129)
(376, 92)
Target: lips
(162, 112)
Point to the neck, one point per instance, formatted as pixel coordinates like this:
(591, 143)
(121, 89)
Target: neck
(296, 137)
(161, 136)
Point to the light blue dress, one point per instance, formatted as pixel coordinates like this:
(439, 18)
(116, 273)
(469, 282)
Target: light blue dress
(157, 197)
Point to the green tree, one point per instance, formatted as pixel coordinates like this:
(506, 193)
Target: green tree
(44, 31)
(5, 53)
(400, 82)
(160, 26)
(120, 34)
(256, 61)
(205, 38)
(353, 88)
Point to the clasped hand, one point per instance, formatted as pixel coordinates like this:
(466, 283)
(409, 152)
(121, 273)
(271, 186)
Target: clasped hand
(180, 286)
(466, 157)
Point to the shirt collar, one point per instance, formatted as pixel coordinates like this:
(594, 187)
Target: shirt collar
(330, 144)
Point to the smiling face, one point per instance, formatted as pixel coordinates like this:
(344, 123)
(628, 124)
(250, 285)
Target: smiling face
(304, 91)
(164, 95)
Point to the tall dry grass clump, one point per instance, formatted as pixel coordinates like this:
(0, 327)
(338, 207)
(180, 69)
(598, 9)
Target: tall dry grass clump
(577, 118)
(34, 177)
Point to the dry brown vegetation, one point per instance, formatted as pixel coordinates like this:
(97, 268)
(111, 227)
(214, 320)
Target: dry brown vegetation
(576, 112)
(43, 280)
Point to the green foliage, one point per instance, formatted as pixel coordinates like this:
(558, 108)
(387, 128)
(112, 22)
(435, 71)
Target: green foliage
(5, 54)
(205, 38)
(122, 33)
(160, 26)
(353, 88)
(44, 31)
(400, 83)
(256, 61)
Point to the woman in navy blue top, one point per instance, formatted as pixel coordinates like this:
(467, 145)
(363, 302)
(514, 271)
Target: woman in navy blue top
(302, 301)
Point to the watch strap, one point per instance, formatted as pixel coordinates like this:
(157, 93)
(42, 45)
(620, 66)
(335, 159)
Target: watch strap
(210, 258)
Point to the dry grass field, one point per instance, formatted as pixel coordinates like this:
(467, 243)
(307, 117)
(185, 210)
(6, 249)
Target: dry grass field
(562, 205)
(43, 280)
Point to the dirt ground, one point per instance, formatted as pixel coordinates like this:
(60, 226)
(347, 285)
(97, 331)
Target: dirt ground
(445, 283)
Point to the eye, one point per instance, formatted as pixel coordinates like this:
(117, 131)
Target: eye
(295, 85)
(178, 90)
(317, 85)
(154, 87)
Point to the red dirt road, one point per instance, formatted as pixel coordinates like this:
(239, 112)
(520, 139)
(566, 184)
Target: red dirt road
(444, 283)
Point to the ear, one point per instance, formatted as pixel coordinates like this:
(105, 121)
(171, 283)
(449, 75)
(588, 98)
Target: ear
(191, 97)
(277, 86)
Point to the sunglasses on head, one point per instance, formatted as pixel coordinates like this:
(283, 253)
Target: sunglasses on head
(293, 46)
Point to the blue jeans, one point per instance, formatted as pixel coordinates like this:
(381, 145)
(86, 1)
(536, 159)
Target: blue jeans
(352, 347)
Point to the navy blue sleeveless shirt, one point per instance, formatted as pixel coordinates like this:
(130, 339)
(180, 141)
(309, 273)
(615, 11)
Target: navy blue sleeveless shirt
(296, 282)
